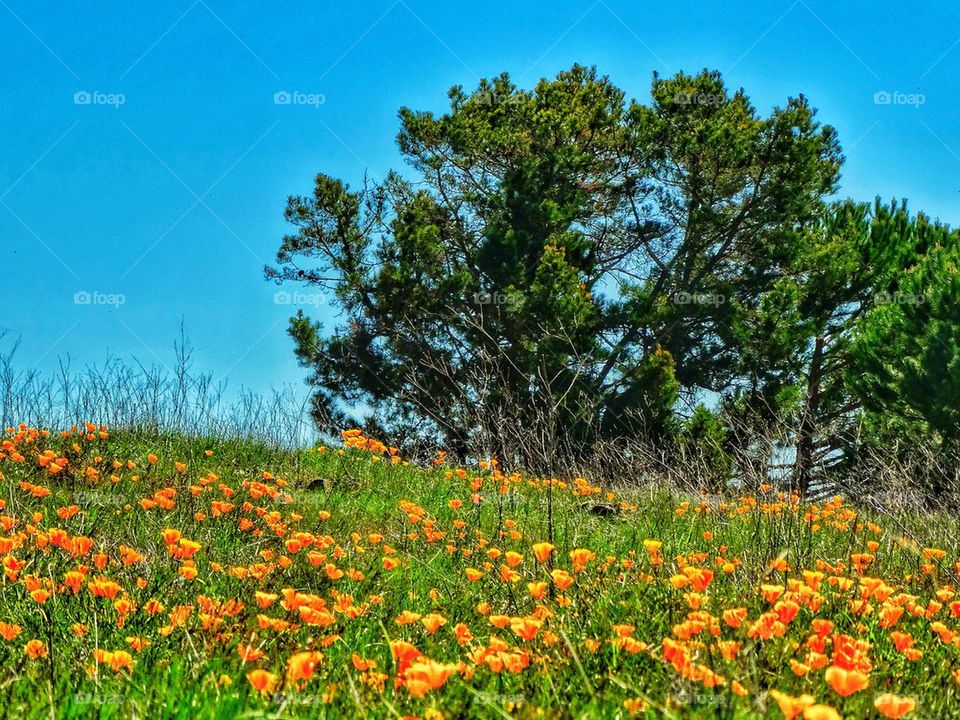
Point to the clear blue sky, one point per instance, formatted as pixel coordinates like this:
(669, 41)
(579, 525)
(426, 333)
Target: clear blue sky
(166, 181)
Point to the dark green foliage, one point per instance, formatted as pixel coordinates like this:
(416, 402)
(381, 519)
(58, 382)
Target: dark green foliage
(908, 346)
(878, 297)
(561, 263)
(704, 438)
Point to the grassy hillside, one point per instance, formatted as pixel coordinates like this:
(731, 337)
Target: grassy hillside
(199, 578)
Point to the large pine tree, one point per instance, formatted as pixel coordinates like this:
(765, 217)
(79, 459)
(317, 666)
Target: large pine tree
(557, 265)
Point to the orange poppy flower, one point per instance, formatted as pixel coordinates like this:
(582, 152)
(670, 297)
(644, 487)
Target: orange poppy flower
(538, 590)
(9, 631)
(527, 628)
(248, 653)
(463, 633)
(403, 654)
(580, 557)
(513, 558)
(562, 579)
(301, 666)
(262, 681)
(734, 617)
(845, 682)
(35, 649)
(430, 672)
(820, 712)
(791, 706)
(771, 593)
(892, 706)
(542, 550)
(433, 622)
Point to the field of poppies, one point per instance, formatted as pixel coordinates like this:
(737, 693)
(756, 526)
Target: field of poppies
(162, 576)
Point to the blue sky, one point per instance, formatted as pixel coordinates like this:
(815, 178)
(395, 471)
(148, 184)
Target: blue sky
(143, 156)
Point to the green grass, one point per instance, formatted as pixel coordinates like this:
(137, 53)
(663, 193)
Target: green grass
(197, 673)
